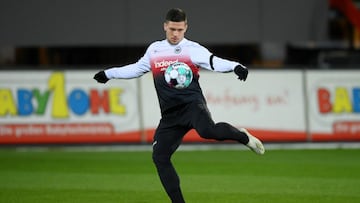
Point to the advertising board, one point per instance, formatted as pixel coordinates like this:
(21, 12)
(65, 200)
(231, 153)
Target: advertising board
(334, 105)
(270, 103)
(66, 107)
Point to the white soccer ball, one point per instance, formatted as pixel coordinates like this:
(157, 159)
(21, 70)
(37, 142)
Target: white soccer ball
(178, 75)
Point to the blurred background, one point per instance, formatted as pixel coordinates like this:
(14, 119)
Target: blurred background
(303, 55)
(260, 33)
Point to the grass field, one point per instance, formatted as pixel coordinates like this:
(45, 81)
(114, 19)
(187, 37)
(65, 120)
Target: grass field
(215, 176)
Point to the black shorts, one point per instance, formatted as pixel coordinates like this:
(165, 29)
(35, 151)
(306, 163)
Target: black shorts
(176, 122)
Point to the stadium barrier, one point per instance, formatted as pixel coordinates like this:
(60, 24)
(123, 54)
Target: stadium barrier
(67, 107)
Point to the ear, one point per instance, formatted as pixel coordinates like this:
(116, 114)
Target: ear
(165, 26)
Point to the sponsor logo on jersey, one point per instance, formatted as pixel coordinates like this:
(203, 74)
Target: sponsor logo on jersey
(164, 63)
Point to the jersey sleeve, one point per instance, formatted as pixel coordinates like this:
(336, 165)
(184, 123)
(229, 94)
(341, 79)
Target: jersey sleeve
(202, 57)
(134, 70)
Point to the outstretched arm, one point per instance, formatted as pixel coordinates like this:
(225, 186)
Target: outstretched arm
(205, 59)
(222, 65)
(125, 72)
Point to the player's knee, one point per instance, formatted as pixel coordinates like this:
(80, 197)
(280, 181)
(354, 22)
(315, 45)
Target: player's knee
(160, 160)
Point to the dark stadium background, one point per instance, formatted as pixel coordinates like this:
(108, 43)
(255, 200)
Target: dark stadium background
(261, 33)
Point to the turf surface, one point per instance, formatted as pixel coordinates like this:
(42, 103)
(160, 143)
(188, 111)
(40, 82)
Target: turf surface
(207, 176)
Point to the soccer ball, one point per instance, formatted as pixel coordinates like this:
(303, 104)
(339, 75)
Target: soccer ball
(178, 75)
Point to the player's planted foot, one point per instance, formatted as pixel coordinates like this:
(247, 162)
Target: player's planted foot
(254, 144)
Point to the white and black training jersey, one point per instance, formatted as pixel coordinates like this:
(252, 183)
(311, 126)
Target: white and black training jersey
(159, 55)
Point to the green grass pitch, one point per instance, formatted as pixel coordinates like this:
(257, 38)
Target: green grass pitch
(216, 176)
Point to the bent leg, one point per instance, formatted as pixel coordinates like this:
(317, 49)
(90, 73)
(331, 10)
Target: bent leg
(208, 129)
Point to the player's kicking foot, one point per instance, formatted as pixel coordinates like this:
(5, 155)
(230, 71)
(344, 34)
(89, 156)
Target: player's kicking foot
(254, 144)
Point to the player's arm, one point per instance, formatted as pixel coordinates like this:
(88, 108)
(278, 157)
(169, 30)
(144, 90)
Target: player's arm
(125, 72)
(205, 59)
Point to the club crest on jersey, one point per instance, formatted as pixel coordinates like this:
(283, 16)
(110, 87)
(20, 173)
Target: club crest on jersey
(177, 50)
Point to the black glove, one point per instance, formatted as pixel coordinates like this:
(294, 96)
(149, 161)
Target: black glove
(241, 72)
(101, 77)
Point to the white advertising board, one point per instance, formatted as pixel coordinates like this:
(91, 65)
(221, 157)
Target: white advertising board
(66, 106)
(269, 103)
(334, 104)
(276, 105)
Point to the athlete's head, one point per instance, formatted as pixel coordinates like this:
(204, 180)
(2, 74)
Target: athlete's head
(175, 25)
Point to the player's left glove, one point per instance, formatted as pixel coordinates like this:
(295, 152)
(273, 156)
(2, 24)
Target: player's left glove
(241, 72)
(101, 77)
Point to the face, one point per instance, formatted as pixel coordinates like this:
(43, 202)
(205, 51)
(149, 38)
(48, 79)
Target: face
(175, 31)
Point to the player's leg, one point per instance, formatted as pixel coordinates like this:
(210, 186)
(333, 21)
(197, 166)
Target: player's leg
(166, 141)
(208, 129)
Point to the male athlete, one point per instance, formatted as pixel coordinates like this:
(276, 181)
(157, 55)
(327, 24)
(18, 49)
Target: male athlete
(181, 109)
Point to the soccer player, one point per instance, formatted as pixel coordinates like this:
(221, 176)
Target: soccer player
(181, 109)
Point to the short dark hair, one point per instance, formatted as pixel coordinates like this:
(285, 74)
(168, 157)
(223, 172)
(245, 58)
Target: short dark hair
(176, 15)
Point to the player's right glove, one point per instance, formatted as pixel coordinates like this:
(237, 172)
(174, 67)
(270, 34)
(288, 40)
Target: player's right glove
(101, 77)
(241, 72)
